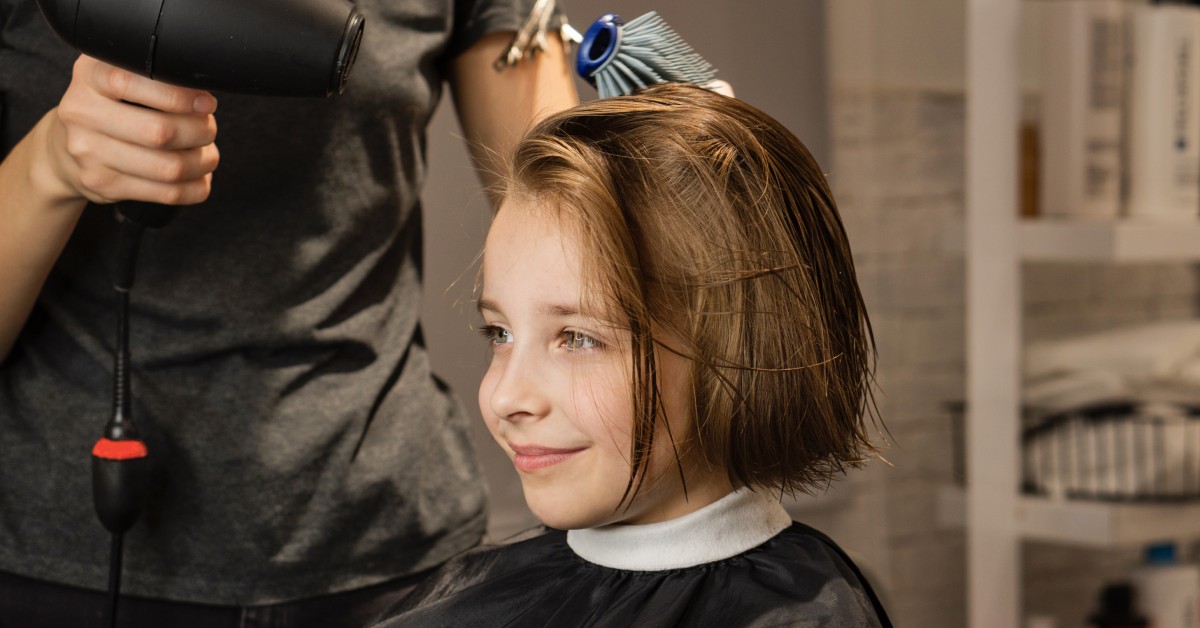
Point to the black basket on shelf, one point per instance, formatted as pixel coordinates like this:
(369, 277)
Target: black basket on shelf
(1117, 451)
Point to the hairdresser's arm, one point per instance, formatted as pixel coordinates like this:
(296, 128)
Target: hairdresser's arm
(496, 108)
(95, 146)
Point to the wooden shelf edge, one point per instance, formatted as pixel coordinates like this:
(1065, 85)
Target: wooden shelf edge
(1092, 524)
(1115, 241)
(1050, 240)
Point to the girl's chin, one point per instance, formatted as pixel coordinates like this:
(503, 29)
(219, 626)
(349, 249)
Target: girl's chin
(552, 514)
(559, 520)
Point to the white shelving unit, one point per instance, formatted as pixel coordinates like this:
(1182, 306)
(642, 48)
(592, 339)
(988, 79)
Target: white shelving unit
(995, 243)
(993, 314)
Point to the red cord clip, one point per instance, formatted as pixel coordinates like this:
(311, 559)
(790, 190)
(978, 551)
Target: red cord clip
(119, 449)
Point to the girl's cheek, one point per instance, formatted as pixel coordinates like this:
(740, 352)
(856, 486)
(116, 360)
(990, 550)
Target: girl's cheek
(487, 386)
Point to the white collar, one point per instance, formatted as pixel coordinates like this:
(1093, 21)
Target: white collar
(740, 521)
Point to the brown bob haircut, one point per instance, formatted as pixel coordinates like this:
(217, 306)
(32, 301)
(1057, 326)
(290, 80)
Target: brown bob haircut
(709, 223)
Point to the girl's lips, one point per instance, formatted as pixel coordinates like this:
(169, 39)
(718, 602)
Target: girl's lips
(532, 457)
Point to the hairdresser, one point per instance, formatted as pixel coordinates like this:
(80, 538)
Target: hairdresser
(309, 466)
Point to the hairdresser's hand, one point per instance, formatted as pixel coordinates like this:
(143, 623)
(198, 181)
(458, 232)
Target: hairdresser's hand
(721, 87)
(119, 136)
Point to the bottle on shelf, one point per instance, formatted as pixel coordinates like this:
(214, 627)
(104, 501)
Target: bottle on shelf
(1167, 590)
(1163, 112)
(1082, 73)
(1118, 609)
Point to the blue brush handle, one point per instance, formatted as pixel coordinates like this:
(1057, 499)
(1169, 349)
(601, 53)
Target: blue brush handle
(599, 44)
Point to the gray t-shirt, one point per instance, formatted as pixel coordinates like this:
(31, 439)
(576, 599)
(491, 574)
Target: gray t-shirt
(280, 377)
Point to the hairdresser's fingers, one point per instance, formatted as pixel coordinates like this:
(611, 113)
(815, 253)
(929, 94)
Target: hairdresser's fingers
(86, 110)
(721, 87)
(177, 166)
(103, 169)
(114, 170)
(137, 125)
(118, 84)
(188, 193)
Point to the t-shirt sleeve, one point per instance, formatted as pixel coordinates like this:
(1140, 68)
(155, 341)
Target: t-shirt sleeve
(475, 18)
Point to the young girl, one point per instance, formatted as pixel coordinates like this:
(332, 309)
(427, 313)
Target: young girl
(678, 339)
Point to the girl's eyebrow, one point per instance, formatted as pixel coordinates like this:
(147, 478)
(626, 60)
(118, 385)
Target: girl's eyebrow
(559, 310)
(551, 310)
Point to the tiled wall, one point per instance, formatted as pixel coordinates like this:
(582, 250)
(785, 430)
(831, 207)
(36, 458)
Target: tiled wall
(898, 176)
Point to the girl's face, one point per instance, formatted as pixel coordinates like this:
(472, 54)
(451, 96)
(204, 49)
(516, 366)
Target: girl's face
(557, 395)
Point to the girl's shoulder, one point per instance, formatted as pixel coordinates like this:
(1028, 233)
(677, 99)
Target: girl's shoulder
(808, 565)
(472, 569)
(797, 578)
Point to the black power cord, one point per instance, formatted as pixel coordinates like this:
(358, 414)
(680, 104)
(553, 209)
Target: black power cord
(114, 580)
(120, 462)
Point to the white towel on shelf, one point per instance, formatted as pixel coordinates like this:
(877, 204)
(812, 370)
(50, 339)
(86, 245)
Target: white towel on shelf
(1128, 362)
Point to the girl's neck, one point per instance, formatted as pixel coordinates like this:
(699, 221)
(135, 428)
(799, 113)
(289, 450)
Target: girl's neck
(702, 490)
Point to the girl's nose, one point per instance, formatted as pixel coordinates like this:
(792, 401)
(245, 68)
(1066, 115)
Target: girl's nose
(522, 391)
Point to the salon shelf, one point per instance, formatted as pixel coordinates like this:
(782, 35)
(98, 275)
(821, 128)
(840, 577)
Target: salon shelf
(1085, 523)
(995, 515)
(1052, 240)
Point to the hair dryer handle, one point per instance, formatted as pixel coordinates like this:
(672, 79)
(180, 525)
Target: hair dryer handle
(149, 215)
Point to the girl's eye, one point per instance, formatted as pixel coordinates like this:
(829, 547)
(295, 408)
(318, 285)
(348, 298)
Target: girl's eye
(496, 335)
(575, 340)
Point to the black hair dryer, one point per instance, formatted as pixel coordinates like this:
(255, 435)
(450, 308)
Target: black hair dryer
(266, 47)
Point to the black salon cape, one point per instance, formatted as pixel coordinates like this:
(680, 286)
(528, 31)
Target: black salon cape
(798, 578)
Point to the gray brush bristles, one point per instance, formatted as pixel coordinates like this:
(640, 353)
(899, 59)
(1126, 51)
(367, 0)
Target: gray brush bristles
(650, 52)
